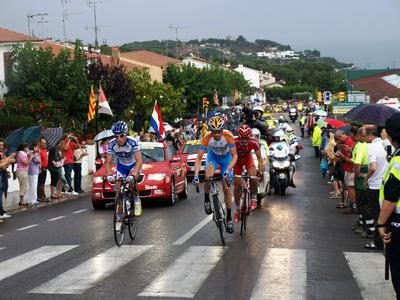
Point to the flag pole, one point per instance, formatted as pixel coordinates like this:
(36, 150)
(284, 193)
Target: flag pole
(96, 96)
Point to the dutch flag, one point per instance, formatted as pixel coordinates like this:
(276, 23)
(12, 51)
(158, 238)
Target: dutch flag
(156, 122)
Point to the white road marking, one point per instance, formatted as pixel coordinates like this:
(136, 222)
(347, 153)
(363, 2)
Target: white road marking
(1, 235)
(79, 279)
(368, 270)
(79, 211)
(27, 227)
(283, 275)
(185, 276)
(32, 258)
(192, 231)
(1, 248)
(56, 218)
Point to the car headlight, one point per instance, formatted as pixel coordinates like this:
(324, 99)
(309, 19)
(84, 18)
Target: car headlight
(157, 176)
(97, 179)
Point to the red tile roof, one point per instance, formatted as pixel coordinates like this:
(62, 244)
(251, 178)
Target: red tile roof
(377, 87)
(109, 60)
(105, 59)
(8, 36)
(149, 58)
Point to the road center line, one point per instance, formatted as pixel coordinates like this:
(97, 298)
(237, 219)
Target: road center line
(56, 218)
(192, 231)
(27, 227)
(1, 235)
(79, 211)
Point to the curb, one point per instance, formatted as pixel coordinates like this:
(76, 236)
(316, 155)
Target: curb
(52, 202)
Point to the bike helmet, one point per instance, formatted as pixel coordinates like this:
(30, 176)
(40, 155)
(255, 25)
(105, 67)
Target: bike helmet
(255, 133)
(216, 123)
(119, 127)
(258, 108)
(289, 129)
(278, 135)
(244, 131)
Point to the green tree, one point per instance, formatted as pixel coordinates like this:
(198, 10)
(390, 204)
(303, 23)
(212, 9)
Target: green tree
(147, 92)
(198, 83)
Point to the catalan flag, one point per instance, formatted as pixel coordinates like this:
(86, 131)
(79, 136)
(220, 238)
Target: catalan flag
(92, 105)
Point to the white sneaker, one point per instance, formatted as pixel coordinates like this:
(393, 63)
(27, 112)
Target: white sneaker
(118, 226)
(74, 193)
(67, 193)
(5, 216)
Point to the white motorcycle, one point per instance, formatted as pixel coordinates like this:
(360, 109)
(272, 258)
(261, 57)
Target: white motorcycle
(282, 166)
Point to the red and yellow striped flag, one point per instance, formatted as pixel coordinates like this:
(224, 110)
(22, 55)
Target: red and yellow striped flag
(92, 105)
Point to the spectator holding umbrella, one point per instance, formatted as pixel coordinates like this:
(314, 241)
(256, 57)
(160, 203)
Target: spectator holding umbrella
(24, 158)
(54, 166)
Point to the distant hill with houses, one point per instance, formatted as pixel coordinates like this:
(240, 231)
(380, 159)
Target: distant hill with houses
(234, 51)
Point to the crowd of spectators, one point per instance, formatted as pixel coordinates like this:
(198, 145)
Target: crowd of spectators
(30, 165)
(354, 162)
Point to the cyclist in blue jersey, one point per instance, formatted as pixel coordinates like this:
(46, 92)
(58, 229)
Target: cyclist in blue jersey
(219, 144)
(127, 150)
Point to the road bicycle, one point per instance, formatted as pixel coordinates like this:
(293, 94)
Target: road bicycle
(124, 207)
(219, 215)
(245, 198)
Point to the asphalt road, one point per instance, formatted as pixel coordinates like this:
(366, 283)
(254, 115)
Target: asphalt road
(297, 246)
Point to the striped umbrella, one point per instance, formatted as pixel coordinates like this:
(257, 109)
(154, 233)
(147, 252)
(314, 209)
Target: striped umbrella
(53, 136)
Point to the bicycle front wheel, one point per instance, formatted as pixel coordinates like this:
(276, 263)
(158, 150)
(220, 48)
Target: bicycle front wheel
(119, 225)
(133, 224)
(219, 219)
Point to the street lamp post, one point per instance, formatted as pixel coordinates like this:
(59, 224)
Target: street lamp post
(184, 100)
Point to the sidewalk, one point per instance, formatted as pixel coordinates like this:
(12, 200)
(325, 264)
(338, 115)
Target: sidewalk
(11, 203)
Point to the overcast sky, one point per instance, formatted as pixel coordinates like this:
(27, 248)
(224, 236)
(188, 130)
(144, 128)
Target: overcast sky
(365, 32)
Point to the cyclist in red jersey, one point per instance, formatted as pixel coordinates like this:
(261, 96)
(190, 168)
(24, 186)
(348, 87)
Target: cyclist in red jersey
(244, 145)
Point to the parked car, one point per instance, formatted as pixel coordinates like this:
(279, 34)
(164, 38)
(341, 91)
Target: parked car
(189, 156)
(163, 176)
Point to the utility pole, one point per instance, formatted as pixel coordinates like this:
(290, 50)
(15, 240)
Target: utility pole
(176, 28)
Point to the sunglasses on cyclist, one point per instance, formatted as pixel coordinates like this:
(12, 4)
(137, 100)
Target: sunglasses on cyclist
(119, 136)
(217, 132)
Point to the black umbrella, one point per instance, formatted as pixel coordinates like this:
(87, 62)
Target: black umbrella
(21, 136)
(53, 136)
(376, 114)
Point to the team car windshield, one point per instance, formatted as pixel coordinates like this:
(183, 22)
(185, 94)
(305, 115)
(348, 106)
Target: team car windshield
(190, 149)
(153, 155)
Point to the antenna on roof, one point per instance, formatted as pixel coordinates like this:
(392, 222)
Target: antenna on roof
(65, 15)
(31, 16)
(92, 3)
(176, 28)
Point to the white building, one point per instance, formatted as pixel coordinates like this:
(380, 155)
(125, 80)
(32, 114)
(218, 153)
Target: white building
(251, 75)
(8, 39)
(196, 62)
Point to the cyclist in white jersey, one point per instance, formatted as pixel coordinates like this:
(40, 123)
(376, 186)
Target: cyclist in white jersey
(127, 150)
